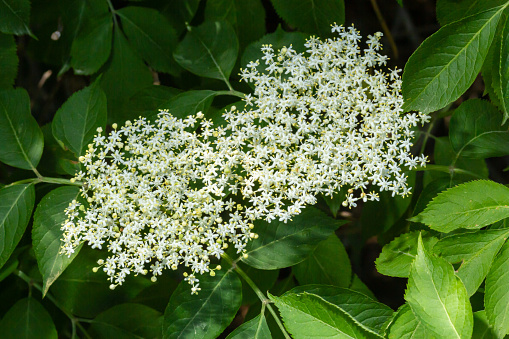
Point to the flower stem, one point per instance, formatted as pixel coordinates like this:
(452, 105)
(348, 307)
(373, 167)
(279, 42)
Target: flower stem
(232, 93)
(32, 283)
(385, 29)
(265, 301)
(49, 180)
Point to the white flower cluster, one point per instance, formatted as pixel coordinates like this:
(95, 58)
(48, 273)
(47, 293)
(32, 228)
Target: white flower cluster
(178, 191)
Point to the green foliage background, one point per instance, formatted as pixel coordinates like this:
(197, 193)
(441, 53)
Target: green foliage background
(97, 62)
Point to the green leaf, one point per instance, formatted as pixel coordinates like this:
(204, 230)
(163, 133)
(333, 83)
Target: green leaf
(475, 251)
(437, 296)
(27, 319)
(491, 69)
(152, 36)
(307, 315)
(476, 130)
(178, 12)
(255, 328)
(453, 10)
(406, 326)
(149, 100)
(189, 103)
(55, 159)
(46, 234)
(482, 328)
(209, 50)
(8, 61)
(398, 255)
(127, 321)
(358, 285)
(20, 136)
(96, 37)
(206, 314)
(76, 122)
(264, 279)
(496, 293)
(246, 16)
(125, 75)
(503, 67)
(471, 205)
(328, 264)
(311, 16)
(16, 205)
(286, 244)
(15, 16)
(447, 63)
(366, 312)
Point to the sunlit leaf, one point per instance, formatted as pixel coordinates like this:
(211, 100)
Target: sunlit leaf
(496, 294)
(503, 67)
(406, 326)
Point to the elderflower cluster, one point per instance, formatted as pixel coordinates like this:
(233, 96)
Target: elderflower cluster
(178, 192)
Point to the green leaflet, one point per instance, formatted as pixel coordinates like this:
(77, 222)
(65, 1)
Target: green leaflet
(46, 234)
(453, 10)
(446, 64)
(503, 67)
(206, 314)
(15, 17)
(20, 136)
(8, 61)
(406, 326)
(255, 328)
(496, 294)
(312, 16)
(471, 205)
(437, 297)
(476, 130)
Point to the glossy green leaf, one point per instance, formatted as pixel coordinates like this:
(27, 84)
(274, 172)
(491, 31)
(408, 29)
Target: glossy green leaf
(20, 136)
(482, 328)
(475, 251)
(16, 205)
(27, 319)
(178, 12)
(446, 64)
(471, 205)
(189, 103)
(149, 100)
(206, 314)
(246, 16)
(406, 326)
(328, 264)
(152, 36)
(127, 321)
(124, 76)
(95, 36)
(496, 293)
(476, 130)
(76, 122)
(398, 255)
(437, 296)
(46, 234)
(209, 50)
(15, 17)
(430, 191)
(503, 67)
(8, 61)
(311, 16)
(453, 10)
(255, 328)
(307, 315)
(285, 244)
(366, 312)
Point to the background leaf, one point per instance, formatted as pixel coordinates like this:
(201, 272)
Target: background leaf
(475, 251)
(437, 297)
(482, 328)
(471, 205)
(20, 136)
(206, 314)
(189, 103)
(125, 74)
(8, 61)
(152, 37)
(16, 205)
(476, 130)
(255, 328)
(15, 16)
(46, 234)
(27, 319)
(148, 100)
(76, 122)
(496, 294)
(503, 67)
(446, 64)
(312, 16)
(328, 264)
(286, 244)
(126, 321)
(453, 10)
(209, 50)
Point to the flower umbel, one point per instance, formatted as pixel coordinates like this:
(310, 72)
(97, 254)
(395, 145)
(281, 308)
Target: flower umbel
(178, 192)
